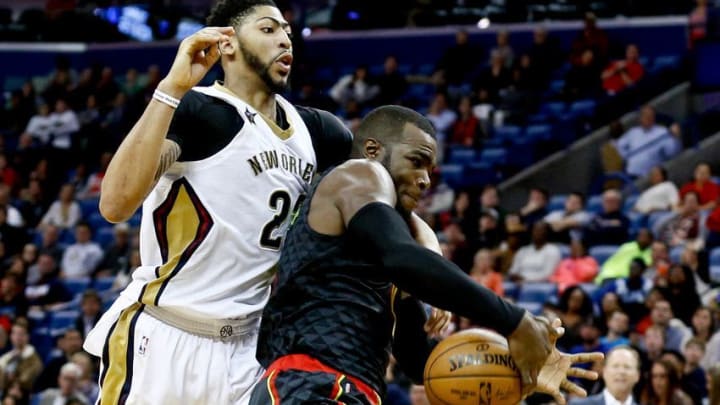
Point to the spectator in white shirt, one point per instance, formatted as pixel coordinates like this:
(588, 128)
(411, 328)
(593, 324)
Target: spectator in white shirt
(648, 144)
(65, 211)
(81, 258)
(567, 224)
(64, 123)
(538, 260)
(662, 195)
(354, 87)
(40, 126)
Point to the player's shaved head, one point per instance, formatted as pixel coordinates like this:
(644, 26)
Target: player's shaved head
(232, 12)
(386, 124)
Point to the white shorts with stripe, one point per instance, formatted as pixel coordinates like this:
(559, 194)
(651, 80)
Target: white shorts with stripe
(147, 361)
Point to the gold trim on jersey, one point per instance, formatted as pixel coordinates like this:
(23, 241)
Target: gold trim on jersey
(283, 134)
(181, 224)
(116, 379)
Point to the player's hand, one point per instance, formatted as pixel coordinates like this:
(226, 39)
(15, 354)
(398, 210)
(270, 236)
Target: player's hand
(558, 368)
(530, 346)
(196, 55)
(438, 322)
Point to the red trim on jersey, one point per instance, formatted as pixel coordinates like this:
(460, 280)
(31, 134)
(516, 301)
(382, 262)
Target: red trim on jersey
(303, 362)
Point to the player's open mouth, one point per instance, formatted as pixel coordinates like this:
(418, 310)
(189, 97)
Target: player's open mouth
(285, 62)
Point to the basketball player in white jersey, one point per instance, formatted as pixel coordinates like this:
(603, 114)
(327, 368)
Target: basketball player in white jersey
(220, 169)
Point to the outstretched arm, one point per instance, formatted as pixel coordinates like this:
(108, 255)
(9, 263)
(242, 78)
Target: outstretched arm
(145, 154)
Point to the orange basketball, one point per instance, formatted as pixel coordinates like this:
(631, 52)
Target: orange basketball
(472, 367)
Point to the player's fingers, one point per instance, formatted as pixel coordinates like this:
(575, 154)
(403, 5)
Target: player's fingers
(573, 388)
(201, 40)
(529, 380)
(582, 373)
(212, 55)
(559, 397)
(586, 357)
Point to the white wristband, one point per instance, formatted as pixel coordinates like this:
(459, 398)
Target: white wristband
(165, 98)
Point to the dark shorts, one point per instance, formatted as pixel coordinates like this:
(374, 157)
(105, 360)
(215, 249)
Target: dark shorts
(300, 379)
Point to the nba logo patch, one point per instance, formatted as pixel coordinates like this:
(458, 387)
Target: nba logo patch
(143, 345)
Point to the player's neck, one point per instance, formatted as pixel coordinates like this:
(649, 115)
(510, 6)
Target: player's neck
(255, 94)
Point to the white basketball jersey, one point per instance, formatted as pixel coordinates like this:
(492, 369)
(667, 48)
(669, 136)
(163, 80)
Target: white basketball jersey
(212, 229)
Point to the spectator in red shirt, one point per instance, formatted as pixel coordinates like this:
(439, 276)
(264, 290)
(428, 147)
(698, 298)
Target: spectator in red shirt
(466, 130)
(483, 271)
(707, 190)
(578, 268)
(623, 73)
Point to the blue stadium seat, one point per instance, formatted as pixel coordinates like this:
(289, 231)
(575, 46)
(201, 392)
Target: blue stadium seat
(461, 155)
(583, 108)
(594, 204)
(135, 220)
(715, 257)
(602, 252)
(104, 236)
(557, 202)
(76, 286)
(676, 253)
(479, 174)
(376, 70)
(495, 156)
(629, 203)
(421, 91)
(539, 118)
(657, 219)
(452, 174)
(590, 288)
(97, 221)
(666, 61)
(62, 320)
(553, 109)
(326, 75)
(557, 86)
(537, 292)
(511, 289)
(508, 132)
(538, 132)
(103, 284)
(715, 274)
(89, 206)
(523, 153)
(67, 236)
(426, 69)
(534, 308)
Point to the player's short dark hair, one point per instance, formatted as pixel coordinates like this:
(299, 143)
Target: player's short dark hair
(231, 12)
(386, 124)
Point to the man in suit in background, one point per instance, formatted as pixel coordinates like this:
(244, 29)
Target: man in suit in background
(620, 373)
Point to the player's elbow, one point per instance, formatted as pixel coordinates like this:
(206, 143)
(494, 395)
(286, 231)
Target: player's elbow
(113, 209)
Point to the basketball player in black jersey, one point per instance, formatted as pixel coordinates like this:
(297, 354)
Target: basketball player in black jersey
(336, 313)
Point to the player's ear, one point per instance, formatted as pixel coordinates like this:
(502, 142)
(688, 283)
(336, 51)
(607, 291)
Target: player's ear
(227, 47)
(372, 149)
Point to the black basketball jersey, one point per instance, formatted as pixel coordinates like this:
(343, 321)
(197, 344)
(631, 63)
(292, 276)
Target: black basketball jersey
(330, 302)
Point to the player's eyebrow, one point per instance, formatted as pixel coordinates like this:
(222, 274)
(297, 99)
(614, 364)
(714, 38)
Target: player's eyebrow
(282, 24)
(424, 155)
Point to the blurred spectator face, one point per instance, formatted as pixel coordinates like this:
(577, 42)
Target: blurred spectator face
(621, 372)
(483, 262)
(488, 221)
(391, 64)
(573, 204)
(676, 275)
(575, 301)
(702, 173)
(659, 252)
(611, 201)
(539, 233)
(465, 107)
(691, 204)
(647, 117)
(454, 234)
(659, 377)
(693, 353)
(656, 176)
(106, 75)
(513, 222)
(661, 313)
(577, 249)
(82, 233)
(525, 61)
(539, 36)
(654, 340)
(4, 194)
(91, 102)
(632, 53)
(82, 360)
(131, 75)
(61, 106)
(19, 336)
(618, 323)
(44, 109)
(587, 58)
(90, 306)
(589, 333)
(644, 238)
(537, 198)
(418, 396)
(68, 380)
(497, 60)
(34, 188)
(360, 73)
(46, 264)
(610, 303)
(29, 253)
(67, 193)
(50, 235)
(676, 362)
(489, 198)
(439, 103)
(702, 320)
(589, 22)
(462, 202)
(71, 342)
(9, 286)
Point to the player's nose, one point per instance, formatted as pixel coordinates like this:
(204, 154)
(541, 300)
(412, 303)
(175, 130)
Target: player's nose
(423, 182)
